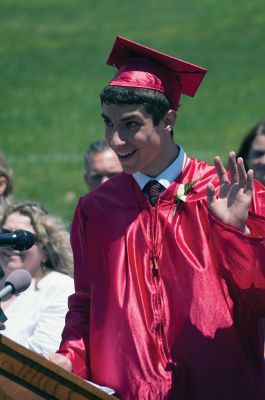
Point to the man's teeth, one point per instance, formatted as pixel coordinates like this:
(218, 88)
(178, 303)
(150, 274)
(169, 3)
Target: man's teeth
(126, 154)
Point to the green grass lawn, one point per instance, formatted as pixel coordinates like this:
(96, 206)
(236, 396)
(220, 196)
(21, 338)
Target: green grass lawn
(52, 67)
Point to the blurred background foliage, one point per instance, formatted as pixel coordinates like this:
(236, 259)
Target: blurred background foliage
(52, 68)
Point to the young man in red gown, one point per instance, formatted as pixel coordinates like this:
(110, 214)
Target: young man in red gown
(170, 287)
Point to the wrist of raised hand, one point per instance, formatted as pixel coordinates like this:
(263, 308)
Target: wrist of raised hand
(244, 229)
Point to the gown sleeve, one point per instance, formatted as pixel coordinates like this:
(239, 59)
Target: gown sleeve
(242, 256)
(75, 336)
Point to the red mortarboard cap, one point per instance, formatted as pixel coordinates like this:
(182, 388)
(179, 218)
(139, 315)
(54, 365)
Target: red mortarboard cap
(141, 66)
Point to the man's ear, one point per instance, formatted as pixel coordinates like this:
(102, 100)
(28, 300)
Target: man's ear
(3, 185)
(169, 120)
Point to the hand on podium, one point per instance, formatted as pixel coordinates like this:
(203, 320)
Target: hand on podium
(60, 360)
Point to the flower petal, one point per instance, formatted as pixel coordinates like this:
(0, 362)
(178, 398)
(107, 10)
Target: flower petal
(183, 198)
(181, 190)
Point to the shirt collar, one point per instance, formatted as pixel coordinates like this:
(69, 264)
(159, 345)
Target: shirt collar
(168, 175)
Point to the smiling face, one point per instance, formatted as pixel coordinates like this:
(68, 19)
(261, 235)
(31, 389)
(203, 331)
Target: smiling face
(30, 259)
(138, 143)
(256, 158)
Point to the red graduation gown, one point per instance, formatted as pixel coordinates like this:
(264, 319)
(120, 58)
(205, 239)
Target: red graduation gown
(191, 328)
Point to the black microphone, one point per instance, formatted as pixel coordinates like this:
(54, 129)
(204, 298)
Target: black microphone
(16, 282)
(18, 240)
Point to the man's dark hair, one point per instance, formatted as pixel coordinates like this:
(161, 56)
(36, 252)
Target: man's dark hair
(248, 140)
(155, 103)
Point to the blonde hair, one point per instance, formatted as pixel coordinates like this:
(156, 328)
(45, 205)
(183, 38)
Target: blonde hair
(8, 174)
(50, 233)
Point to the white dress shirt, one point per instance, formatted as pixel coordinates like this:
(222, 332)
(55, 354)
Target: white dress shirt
(36, 317)
(168, 175)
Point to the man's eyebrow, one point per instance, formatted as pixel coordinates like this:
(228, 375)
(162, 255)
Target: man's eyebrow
(125, 118)
(130, 116)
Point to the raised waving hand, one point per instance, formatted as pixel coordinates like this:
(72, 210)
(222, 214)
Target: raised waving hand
(232, 202)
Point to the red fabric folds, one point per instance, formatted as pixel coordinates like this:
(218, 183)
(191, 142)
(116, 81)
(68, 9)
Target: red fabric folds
(187, 331)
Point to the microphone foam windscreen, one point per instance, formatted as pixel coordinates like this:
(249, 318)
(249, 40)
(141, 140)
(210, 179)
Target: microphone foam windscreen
(19, 279)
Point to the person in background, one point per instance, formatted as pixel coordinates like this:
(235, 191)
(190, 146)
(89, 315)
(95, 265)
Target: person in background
(36, 316)
(6, 183)
(252, 150)
(101, 163)
(169, 281)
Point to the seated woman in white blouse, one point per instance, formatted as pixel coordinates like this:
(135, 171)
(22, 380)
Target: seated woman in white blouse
(36, 316)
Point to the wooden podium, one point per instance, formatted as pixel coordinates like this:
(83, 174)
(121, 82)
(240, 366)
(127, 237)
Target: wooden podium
(25, 375)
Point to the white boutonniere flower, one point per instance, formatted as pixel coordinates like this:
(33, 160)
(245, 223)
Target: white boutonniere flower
(181, 194)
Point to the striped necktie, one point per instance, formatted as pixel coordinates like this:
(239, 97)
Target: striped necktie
(152, 190)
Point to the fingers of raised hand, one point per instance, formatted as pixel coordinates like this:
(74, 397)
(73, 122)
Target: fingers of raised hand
(249, 182)
(245, 178)
(233, 167)
(210, 191)
(241, 172)
(221, 171)
(238, 172)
